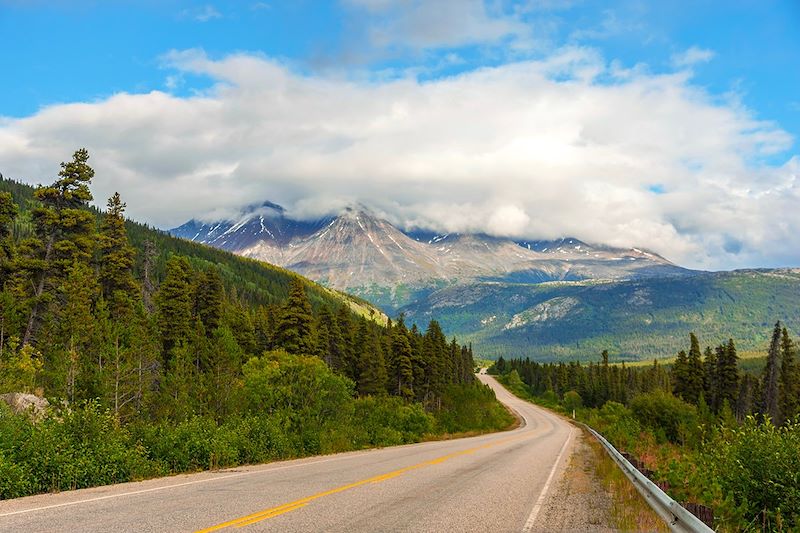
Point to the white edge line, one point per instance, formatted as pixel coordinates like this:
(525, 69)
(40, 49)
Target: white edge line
(537, 507)
(155, 489)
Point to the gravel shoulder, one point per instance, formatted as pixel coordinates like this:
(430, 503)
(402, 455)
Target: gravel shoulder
(578, 502)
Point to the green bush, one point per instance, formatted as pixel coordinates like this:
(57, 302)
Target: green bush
(668, 417)
(759, 464)
(472, 408)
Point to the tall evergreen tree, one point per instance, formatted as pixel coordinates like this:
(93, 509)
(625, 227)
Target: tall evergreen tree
(64, 233)
(209, 296)
(694, 373)
(174, 306)
(401, 372)
(770, 378)
(680, 371)
(8, 212)
(727, 375)
(294, 332)
(789, 386)
(116, 258)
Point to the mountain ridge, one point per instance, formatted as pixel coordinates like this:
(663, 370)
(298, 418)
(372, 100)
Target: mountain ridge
(358, 251)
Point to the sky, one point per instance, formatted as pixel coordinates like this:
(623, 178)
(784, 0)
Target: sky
(673, 126)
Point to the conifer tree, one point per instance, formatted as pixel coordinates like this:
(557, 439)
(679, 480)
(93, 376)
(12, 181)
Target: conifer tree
(710, 378)
(116, 258)
(789, 386)
(770, 378)
(727, 374)
(401, 372)
(64, 233)
(209, 295)
(174, 306)
(680, 370)
(372, 375)
(8, 212)
(694, 372)
(294, 332)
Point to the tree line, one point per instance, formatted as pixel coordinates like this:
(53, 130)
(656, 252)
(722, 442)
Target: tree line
(710, 379)
(84, 316)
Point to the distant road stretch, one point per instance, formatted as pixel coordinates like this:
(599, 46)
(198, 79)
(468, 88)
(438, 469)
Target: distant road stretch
(489, 483)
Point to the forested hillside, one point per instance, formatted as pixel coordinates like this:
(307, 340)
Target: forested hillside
(634, 319)
(166, 356)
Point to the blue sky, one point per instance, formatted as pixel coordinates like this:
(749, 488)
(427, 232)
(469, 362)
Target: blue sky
(670, 125)
(84, 50)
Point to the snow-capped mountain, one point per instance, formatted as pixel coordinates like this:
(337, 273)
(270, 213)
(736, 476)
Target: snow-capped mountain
(367, 255)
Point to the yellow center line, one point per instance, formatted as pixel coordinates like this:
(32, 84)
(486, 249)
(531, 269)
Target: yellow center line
(297, 504)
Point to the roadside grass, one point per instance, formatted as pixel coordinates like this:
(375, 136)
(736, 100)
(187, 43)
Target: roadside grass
(630, 512)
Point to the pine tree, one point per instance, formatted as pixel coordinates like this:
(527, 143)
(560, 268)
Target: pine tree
(694, 372)
(789, 386)
(372, 376)
(400, 372)
(116, 259)
(727, 374)
(8, 212)
(770, 378)
(680, 370)
(294, 332)
(710, 378)
(209, 295)
(174, 306)
(64, 233)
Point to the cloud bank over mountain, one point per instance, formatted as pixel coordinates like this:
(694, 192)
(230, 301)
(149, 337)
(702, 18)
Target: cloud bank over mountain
(568, 144)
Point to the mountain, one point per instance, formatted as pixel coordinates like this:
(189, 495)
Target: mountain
(548, 299)
(254, 281)
(633, 319)
(361, 253)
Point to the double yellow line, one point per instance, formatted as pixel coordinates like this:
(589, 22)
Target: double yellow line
(297, 504)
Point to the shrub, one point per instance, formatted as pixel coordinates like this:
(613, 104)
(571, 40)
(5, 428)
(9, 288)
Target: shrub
(669, 417)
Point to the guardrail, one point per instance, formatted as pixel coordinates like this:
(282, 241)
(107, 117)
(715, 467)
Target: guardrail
(679, 519)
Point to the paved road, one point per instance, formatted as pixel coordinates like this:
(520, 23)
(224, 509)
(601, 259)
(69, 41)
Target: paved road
(488, 483)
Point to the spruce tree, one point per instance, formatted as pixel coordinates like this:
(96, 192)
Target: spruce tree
(727, 374)
(294, 332)
(174, 306)
(8, 212)
(400, 371)
(694, 372)
(116, 258)
(770, 378)
(680, 370)
(64, 233)
(789, 386)
(209, 296)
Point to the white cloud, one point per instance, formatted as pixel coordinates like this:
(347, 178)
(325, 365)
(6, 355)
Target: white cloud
(420, 24)
(202, 13)
(692, 56)
(540, 149)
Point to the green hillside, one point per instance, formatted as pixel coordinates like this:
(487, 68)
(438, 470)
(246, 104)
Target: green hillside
(255, 282)
(634, 320)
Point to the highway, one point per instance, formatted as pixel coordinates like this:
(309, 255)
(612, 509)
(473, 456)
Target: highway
(493, 482)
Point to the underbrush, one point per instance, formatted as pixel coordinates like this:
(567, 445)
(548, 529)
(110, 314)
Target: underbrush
(84, 445)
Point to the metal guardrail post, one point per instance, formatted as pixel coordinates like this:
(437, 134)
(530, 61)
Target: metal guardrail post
(677, 518)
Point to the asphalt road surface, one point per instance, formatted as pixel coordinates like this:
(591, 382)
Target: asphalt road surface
(494, 482)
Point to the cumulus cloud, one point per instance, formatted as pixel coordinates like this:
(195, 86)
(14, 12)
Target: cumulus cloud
(537, 149)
